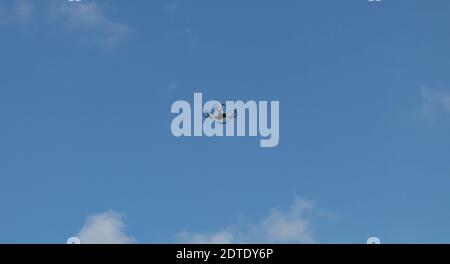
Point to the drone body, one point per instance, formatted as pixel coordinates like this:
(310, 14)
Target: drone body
(208, 119)
(219, 115)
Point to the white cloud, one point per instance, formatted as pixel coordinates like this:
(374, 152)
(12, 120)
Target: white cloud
(278, 226)
(105, 228)
(292, 226)
(221, 237)
(92, 17)
(434, 102)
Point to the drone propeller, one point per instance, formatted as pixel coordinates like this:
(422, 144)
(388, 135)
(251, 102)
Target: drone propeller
(221, 117)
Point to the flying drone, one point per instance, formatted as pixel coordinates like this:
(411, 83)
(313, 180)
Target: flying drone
(219, 115)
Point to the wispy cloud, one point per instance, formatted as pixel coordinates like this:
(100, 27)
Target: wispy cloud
(105, 228)
(278, 226)
(434, 102)
(92, 17)
(23, 9)
(172, 87)
(86, 17)
(17, 11)
(172, 7)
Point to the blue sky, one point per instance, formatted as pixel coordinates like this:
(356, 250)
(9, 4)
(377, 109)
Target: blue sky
(86, 147)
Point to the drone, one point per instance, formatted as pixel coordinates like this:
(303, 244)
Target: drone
(219, 115)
